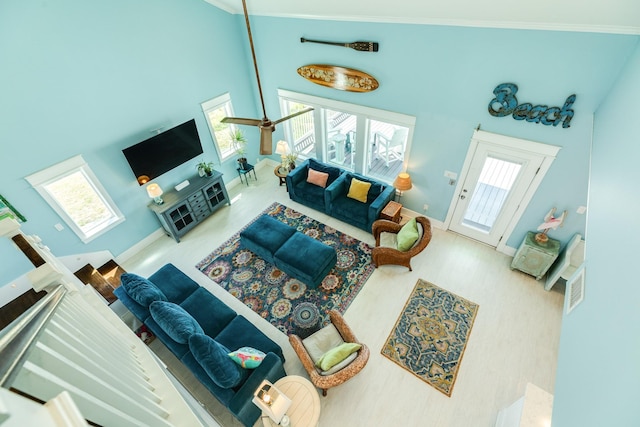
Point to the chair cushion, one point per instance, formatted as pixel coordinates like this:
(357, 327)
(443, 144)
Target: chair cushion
(247, 357)
(358, 190)
(346, 362)
(337, 355)
(408, 235)
(174, 320)
(214, 359)
(317, 178)
(318, 343)
(141, 290)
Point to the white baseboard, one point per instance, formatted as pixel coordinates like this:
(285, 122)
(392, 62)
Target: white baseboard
(133, 250)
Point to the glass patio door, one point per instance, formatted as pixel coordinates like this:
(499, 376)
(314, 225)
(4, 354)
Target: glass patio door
(340, 138)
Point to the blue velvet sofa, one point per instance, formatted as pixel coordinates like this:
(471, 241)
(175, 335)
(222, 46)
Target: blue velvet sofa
(333, 199)
(309, 194)
(351, 211)
(200, 330)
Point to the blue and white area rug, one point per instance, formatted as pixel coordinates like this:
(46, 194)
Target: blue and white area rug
(431, 334)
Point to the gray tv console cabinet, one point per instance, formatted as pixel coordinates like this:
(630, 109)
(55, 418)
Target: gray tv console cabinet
(182, 210)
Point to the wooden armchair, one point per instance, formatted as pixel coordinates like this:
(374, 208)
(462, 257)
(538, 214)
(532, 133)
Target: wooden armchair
(338, 374)
(382, 255)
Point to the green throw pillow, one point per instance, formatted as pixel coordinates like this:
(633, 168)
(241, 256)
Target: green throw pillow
(408, 235)
(337, 355)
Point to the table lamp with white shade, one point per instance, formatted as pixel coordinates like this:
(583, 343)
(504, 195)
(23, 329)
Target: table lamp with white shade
(155, 192)
(272, 402)
(282, 148)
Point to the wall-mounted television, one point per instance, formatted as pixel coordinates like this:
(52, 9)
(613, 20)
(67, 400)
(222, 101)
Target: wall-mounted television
(159, 154)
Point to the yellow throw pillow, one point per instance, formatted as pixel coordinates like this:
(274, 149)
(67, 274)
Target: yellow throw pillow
(359, 190)
(337, 355)
(408, 235)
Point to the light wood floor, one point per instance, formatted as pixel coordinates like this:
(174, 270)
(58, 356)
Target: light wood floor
(514, 340)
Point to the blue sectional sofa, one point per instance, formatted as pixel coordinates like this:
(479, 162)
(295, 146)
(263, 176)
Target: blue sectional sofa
(333, 199)
(200, 330)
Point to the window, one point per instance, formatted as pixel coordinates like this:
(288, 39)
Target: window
(214, 111)
(365, 140)
(74, 192)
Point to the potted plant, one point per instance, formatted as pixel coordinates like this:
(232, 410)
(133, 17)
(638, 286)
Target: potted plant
(290, 161)
(239, 143)
(205, 168)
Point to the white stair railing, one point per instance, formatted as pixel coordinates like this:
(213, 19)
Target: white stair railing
(80, 346)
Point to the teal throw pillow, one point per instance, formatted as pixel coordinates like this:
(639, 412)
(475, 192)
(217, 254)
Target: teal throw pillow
(175, 321)
(141, 290)
(214, 359)
(337, 355)
(247, 357)
(408, 235)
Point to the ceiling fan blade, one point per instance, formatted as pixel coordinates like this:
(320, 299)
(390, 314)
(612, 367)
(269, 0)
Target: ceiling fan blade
(241, 121)
(266, 141)
(290, 116)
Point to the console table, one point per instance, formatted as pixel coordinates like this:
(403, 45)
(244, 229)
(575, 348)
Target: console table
(182, 210)
(535, 258)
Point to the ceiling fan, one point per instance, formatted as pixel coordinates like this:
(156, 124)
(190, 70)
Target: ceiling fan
(265, 125)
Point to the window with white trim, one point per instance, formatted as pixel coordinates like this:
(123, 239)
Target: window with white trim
(74, 192)
(214, 111)
(365, 140)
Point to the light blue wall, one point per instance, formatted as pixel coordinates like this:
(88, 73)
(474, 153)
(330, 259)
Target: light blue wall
(92, 78)
(599, 361)
(445, 77)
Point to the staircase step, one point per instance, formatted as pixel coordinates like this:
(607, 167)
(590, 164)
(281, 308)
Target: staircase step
(111, 271)
(90, 276)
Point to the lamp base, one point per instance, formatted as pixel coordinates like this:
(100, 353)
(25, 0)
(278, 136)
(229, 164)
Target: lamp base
(542, 238)
(158, 200)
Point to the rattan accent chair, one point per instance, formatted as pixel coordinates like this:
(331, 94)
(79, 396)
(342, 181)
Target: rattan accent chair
(322, 380)
(383, 255)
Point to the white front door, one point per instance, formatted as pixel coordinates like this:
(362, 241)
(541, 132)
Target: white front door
(498, 180)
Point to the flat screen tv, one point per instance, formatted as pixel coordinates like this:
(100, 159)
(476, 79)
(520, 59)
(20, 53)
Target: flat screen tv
(159, 154)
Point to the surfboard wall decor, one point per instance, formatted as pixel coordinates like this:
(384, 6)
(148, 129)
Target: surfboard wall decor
(340, 78)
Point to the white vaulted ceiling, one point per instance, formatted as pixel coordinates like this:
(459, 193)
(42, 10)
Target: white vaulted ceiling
(604, 16)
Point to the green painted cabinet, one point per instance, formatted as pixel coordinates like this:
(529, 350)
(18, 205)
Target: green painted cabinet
(535, 258)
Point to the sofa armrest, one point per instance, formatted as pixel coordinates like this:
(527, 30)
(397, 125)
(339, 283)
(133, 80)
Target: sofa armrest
(335, 189)
(380, 202)
(297, 175)
(240, 405)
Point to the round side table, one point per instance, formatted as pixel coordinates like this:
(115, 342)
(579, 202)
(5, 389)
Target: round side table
(305, 401)
(281, 173)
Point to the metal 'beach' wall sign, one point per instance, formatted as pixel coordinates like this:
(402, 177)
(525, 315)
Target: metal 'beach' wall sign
(506, 103)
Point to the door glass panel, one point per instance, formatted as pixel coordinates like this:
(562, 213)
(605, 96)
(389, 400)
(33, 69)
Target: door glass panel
(341, 138)
(495, 182)
(302, 132)
(386, 147)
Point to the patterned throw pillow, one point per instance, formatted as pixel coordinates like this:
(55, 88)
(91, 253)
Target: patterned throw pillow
(247, 357)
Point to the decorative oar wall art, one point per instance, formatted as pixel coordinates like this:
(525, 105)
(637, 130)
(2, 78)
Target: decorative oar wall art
(360, 46)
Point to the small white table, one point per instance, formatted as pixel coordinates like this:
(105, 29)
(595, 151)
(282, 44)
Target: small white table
(305, 402)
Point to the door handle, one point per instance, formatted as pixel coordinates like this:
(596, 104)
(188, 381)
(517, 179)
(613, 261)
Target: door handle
(462, 196)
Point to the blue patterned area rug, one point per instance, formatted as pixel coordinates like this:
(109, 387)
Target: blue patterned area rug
(284, 301)
(431, 334)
